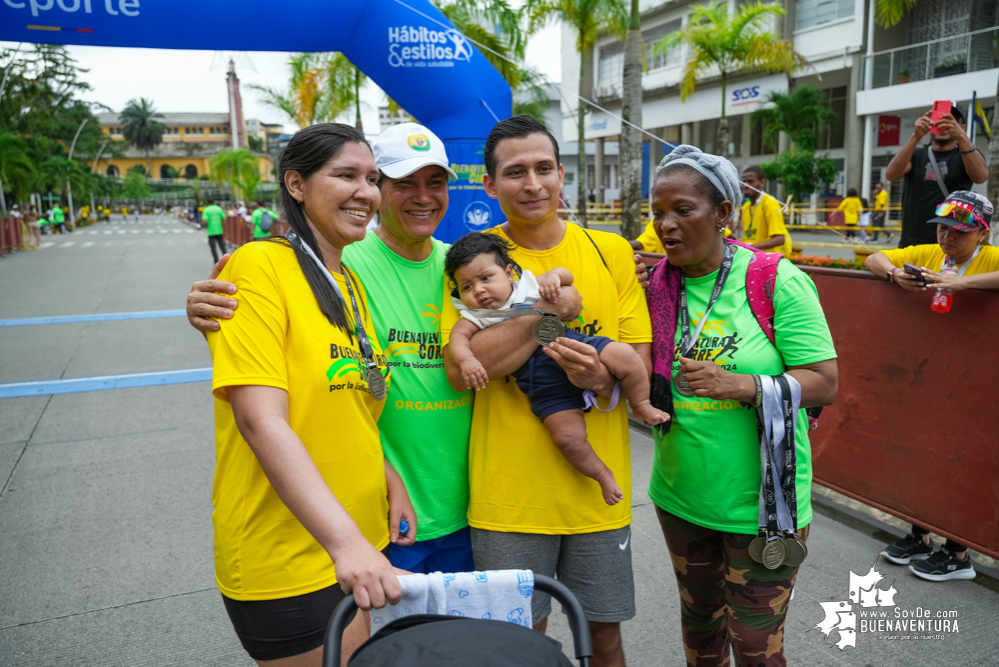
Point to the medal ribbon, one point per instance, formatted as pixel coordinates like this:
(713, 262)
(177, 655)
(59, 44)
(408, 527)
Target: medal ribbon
(362, 337)
(964, 267)
(686, 341)
(775, 424)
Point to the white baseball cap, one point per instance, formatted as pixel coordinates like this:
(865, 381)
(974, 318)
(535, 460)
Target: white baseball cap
(403, 149)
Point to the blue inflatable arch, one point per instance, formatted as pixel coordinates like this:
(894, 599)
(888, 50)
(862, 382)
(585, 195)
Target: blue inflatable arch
(407, 47)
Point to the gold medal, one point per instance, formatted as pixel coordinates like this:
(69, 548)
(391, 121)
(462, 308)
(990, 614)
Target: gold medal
(547, 329)
(774, 553)
(681, 385)
(376, 384)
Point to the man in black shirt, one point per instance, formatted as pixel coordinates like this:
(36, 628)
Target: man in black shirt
(958, 163)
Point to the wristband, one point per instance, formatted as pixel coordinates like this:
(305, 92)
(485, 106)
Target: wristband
(971, 151)
(758, 401)
(888, 275)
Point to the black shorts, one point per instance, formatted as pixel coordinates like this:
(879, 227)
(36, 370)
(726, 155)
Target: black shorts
(546, 383)
(273, 629)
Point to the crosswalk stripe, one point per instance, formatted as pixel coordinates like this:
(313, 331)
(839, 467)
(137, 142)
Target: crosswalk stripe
(48, 244)
(87, 244)
(67, 244)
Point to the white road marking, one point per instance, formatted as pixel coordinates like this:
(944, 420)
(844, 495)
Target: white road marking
(87, 244)
(48, 244)
(67, 244)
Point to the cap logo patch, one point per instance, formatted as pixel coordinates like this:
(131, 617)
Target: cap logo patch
(419, 142)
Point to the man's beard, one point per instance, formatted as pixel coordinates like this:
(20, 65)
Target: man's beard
(937, 140)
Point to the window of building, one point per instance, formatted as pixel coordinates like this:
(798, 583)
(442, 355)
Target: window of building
(190, 171)
(756, 146)
(672, 58)
(834, 134)
(570, 177)
(171, 131)
(610, 66)
(816, 12)
(112, 170)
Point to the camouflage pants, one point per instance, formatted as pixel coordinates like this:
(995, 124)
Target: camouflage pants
(727, 599)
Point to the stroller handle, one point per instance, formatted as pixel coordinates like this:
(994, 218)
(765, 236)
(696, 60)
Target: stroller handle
(582, 644)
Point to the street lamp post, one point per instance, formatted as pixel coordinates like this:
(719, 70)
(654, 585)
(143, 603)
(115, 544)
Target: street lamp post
(93, 170)
(69, 188)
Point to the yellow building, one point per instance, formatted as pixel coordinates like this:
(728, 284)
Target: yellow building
(190, 141)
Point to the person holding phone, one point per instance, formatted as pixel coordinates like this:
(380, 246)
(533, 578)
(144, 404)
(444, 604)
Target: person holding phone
(962, 226)
(955, 165)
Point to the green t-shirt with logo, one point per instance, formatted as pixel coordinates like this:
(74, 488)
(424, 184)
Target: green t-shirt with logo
(213, 216)
(58, 216)
(707, 468)
(425, 425)
(255, 219)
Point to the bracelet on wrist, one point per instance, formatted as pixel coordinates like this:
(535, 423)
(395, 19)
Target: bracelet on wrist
(758, 401)
(889, 274)
(971, 151)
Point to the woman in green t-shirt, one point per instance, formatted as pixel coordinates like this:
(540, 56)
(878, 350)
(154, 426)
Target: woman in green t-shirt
(706, 478)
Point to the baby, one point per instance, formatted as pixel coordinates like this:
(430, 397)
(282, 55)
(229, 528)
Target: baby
(481, 268)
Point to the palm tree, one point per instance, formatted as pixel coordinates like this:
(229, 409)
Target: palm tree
(503, 48)
(730, 44)
(800, 115)
(321, 87)
(889, 12)
(238, 168)
(140, 128)
(56, 171)
(630, 149)
(17, 172)
(588, 18)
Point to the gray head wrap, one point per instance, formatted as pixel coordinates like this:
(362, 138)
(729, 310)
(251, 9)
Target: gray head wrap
(720, 172)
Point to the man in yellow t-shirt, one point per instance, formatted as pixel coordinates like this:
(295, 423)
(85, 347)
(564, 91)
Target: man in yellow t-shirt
(647, 241)
(529, 508)
(851, 208)
(762, 217)
(880, 209)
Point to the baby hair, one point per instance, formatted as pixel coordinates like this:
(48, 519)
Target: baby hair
(469, 246)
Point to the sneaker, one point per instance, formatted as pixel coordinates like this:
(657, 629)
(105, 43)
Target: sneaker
(909, 548)
(942, 566)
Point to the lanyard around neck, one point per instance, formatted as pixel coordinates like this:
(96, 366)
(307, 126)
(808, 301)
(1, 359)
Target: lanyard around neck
(362, 337)
(964, 267)
(687, 342)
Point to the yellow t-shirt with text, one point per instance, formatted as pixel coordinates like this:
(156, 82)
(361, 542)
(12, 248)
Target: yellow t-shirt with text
(519, 481)
(281, 339)
(766, 221)
(931, 256)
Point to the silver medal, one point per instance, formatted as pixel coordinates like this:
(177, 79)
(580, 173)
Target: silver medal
(681, 385)
(547, 329)
(376, 384)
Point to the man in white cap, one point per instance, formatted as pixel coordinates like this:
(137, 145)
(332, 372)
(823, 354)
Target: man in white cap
(425, 424)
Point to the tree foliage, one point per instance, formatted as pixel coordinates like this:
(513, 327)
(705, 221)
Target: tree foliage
(135, 187)
(889, 12)
(800, 114)
(238, 168)
(140, 127)
(727, 44)
(321, 86)
(40, 114)
(588, 18)
(17, 171)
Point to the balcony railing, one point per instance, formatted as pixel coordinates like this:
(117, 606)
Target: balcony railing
(970, 52)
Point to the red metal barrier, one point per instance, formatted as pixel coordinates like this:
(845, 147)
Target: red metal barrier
(914, 430)
(10, 235)
(236, 231)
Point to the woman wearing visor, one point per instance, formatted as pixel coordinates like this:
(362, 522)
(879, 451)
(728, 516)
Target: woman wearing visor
(960, 259)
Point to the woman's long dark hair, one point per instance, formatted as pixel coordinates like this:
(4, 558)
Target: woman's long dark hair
(306, 153)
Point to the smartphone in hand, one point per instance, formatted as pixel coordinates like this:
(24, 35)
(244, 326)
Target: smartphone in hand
(940, 109)
(915, 272)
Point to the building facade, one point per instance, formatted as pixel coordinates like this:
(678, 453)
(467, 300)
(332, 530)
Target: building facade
(857, 64)
(190, 141)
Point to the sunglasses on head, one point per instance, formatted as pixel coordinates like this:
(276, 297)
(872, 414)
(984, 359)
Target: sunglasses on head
(962, 215)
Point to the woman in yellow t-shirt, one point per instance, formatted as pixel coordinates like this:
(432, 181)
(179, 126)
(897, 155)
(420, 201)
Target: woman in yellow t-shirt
(302, 493)
(851, 207)
(962, 240)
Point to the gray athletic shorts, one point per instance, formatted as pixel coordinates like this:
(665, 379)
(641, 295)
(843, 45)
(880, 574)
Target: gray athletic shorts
(595, 566)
